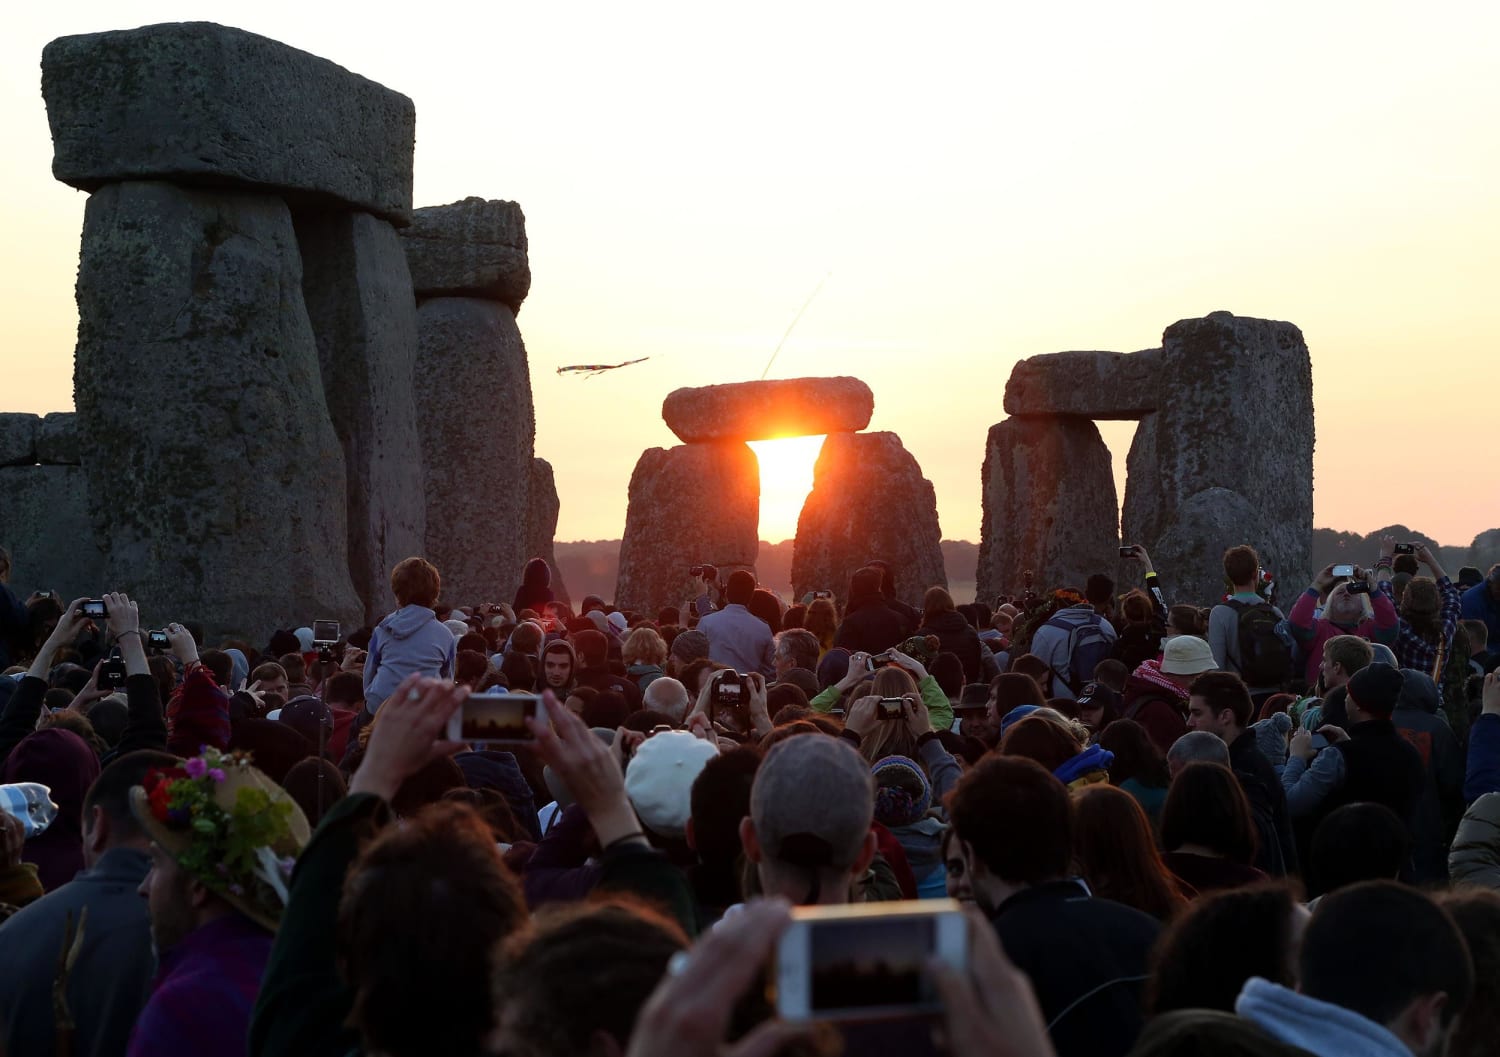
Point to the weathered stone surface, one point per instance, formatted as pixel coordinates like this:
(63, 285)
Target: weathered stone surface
(474, 413)
(542, 508)
(792, 407)
(1196, 533)
(1236, 414)
(869, 501)
(18, 438)
(1096, 385)
(473, 248)
(44, 523)
(204, 104)
(695, 504)
(1049, 506)
(214, 472)
(1143, 510)
(364, 317)
(57, 440)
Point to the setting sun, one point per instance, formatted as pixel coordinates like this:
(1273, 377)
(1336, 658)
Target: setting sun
(786, 476)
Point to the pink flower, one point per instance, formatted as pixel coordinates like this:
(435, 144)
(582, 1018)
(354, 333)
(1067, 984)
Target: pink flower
(216, 774)
(195, 768)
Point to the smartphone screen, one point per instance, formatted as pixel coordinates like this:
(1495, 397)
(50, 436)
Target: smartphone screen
(94, 608)
(1343, 570)
(325, 631)
(495, 718)
(157, 640)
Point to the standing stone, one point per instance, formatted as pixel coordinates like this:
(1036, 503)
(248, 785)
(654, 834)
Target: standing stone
(58, 442)
(1096, 385)
(1236, 416)
(18, 438)
(210, 106)
(1143, 511)
(359, 299)
(695, 504)
(477, 426)
(542, 509)
(214, 472)
(788, 407)
(1049, 506)
(869, 501)
(44, 524)
(473, 248)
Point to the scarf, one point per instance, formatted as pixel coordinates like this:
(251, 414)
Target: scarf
(1150, 672)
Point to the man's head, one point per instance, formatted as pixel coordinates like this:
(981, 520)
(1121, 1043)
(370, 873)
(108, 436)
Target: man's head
(1373, 692)
(720, 799)
(1184, 658)
(558, 664)
(1196, 746)
(593, 649)
(272, 679)
(808, 830)
(1343, 655)
(1242, 567)
(1392, 955)
(667, 696)
(1220, 704)
(1479, 635)
(1357, 842)
(345, 690)
(415, 582)
(107, 819)
(1100, 592)
(796, 648)
(470, 668)
(740, 588)
(179, 903)
(1014, 823)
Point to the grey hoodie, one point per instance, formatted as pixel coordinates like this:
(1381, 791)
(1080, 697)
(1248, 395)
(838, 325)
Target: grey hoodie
(410, 641)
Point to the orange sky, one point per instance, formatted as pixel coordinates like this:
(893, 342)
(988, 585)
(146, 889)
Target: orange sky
(983, 185)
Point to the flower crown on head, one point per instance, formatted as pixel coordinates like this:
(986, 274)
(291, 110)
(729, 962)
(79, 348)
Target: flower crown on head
(230, 849)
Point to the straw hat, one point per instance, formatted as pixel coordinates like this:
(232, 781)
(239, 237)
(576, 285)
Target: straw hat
(229, 826)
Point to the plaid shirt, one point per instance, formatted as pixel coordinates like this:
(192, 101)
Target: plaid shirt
(1413, 651)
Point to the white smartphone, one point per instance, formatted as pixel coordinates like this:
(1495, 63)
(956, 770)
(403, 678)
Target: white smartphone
(1345, 571)
(496, 719)
(867, 961)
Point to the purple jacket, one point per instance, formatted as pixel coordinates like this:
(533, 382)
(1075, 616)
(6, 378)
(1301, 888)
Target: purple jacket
(204, 992)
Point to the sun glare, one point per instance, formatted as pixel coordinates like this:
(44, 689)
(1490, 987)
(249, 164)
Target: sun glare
(786, 476)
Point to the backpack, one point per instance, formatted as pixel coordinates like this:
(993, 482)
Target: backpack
(1087, 646)
(1265, 659)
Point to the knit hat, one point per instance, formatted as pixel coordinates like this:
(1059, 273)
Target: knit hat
(919, 649)
(304, 640)
(1384, 654)
(690, 646)
(618, 622)
(229, 826)
(659, 780)
(1015, 716)
(903, 794)
(1187, 655)
(1270, 736)
(1375, 688)
(812, 802)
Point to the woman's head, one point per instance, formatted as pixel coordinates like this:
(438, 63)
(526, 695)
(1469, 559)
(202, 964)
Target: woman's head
(1049, 744)
(935, 603)
(891, 681)
(1347, 608)
(1204, 958)
(644, 646)
(1011, 690)
(423, 907)
(1186, 620)
(1422, 608)
(1136, 755)
(1137, 608)
(1115, 852)
(822, 620)
(1206, 807)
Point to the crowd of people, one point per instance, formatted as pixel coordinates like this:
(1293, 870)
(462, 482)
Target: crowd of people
(1172, 829)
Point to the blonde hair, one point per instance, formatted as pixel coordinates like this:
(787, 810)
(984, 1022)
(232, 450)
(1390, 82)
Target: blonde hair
(823, 621)
(644, 646)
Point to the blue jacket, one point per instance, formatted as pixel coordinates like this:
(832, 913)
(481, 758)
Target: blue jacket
(1476, 604)
(110, 981)
(740, 639)
(1482, 774)
(1316, 1026)
(411, 641)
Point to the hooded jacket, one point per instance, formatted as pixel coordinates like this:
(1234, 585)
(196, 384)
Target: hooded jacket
(1089, 767)
(63, 762)
(1320, 1028)
(956, 636)
(870, 623)
(536, 587)
(1418, 719)
(1156, 703)
(410, 641)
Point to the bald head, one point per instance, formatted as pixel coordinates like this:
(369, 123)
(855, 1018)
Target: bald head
(669, 697)
(1194, 747)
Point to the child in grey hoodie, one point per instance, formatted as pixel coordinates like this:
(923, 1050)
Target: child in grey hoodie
(411, 641)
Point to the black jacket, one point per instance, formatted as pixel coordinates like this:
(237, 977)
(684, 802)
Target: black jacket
(1417, 719)
(871, 625)
(1086, 959)
(956, 636)
(1262, 786)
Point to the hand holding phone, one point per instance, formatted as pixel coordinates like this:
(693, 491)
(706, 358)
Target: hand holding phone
(496, 719)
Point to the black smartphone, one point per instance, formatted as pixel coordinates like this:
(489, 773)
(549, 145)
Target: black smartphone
(890, 708)
(95, 609)
(1127, 552)
(1406, 548)
(112, 674)
(157, 640)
